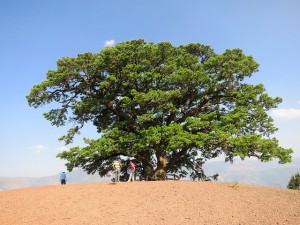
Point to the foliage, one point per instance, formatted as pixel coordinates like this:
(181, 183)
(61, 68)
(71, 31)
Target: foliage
(194, 176)
(294, 182)
(165, 106)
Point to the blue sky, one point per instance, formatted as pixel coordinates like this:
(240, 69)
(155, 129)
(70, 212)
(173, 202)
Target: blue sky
(36, 33)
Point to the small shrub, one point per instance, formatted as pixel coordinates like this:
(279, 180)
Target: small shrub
(235, 185)
(294, 182)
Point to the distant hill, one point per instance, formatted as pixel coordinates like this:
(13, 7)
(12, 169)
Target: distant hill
(75, 177)
(252, 171)
(248, 171)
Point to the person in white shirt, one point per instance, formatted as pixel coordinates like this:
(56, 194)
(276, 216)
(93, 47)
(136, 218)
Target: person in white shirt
(117, 167)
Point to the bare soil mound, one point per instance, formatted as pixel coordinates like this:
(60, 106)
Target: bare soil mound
(165, 202)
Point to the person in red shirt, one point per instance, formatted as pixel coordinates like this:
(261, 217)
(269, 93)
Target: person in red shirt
(131, 171)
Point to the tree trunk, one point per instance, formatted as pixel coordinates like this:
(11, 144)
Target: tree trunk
(161, 170)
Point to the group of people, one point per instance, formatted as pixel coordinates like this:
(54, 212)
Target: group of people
(117, 169)
(131, 170)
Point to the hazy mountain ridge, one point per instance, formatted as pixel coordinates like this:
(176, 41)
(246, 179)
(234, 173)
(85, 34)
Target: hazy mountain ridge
(252, 171)
(75, 177)
(248, 171)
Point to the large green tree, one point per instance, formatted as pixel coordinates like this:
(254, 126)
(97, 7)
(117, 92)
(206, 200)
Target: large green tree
(161, 104)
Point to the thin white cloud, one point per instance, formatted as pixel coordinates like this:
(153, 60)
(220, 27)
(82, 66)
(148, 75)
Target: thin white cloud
(63, 148)
(39, 148)
(298, 102)
(109, 43)
(285, 114)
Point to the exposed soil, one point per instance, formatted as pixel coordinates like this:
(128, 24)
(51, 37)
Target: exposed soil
(160, 202)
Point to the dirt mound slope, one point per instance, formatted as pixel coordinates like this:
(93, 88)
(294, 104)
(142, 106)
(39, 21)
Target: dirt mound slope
(164, 202)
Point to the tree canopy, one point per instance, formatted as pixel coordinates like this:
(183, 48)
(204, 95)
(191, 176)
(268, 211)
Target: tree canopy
(163, 105)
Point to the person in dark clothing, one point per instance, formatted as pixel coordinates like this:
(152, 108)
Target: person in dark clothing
(199, 171)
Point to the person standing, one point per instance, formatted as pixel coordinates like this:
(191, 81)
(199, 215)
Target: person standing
(131, 171)
(148, 172)
(199, 170)
(63, 178)
(117, 167)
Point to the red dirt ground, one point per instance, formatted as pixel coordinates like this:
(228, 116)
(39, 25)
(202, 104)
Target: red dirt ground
(160, 202)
